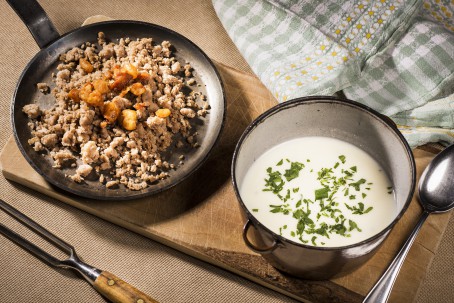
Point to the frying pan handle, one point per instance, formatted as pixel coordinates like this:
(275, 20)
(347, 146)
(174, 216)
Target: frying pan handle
(37, 21)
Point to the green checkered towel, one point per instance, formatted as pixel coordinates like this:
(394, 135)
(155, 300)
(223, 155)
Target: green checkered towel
(396, 56)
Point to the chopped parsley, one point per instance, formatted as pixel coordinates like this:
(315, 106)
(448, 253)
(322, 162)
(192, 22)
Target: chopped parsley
(335, 182)
(353, 226)
(284, 208)
(321, 193)
(294, 170)
(356, 185)
(274, 183)
(359, 210)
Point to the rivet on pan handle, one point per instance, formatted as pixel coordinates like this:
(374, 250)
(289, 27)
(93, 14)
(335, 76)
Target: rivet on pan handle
(37, 21)
(253, 247)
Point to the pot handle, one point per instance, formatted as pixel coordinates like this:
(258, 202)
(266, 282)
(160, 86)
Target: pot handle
(37, 21)
(253, 247)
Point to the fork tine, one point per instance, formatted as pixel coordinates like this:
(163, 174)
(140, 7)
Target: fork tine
(33, 226)
(28, 246)
(89, 272)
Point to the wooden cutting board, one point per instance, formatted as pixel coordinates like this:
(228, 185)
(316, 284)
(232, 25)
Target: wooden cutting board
(201, 216)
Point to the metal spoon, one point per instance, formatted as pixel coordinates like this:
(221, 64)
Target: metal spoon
(436, 195)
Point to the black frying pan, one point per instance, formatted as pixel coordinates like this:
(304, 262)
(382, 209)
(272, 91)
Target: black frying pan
(41, 67)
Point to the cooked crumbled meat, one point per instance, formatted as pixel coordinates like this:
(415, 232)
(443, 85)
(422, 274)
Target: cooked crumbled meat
(188, 70)
(117, 109)
(49, 140)
(33, 140)
(190, 139)
(131, 144)
(137, 186)
(86, 118)
(52, 120)
(111, 153)
(62, 77)
(179, 144)
(107, 51)
(120, 51)
(176, 67)
(69, 139)
(74, 54)
(165, 48)
(91, 54)
(187, 112)
(101, 38)
(156, 122)
(84, 170)
(89, 152)
(113, 183)
(121, 102)
(117, 141)
(43, 87)
(62, 156)
(32, 110)
(37, 146)
(77, 178)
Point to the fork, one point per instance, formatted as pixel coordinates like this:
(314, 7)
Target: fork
(106, 283)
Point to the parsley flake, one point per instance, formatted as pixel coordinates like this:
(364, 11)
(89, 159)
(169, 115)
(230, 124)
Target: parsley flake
(294, 170)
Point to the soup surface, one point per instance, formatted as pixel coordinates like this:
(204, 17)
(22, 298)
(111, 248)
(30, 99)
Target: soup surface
(319, 191)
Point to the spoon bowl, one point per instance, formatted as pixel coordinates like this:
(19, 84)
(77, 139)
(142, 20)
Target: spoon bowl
(436, 186)
(436, 195)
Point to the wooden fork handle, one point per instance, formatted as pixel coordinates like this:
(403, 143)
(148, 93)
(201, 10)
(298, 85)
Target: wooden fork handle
(119, 291)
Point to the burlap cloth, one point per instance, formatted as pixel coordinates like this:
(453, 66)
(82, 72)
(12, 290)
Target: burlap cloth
(167, 274)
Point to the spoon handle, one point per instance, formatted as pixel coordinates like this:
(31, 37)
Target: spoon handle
(382, 289)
